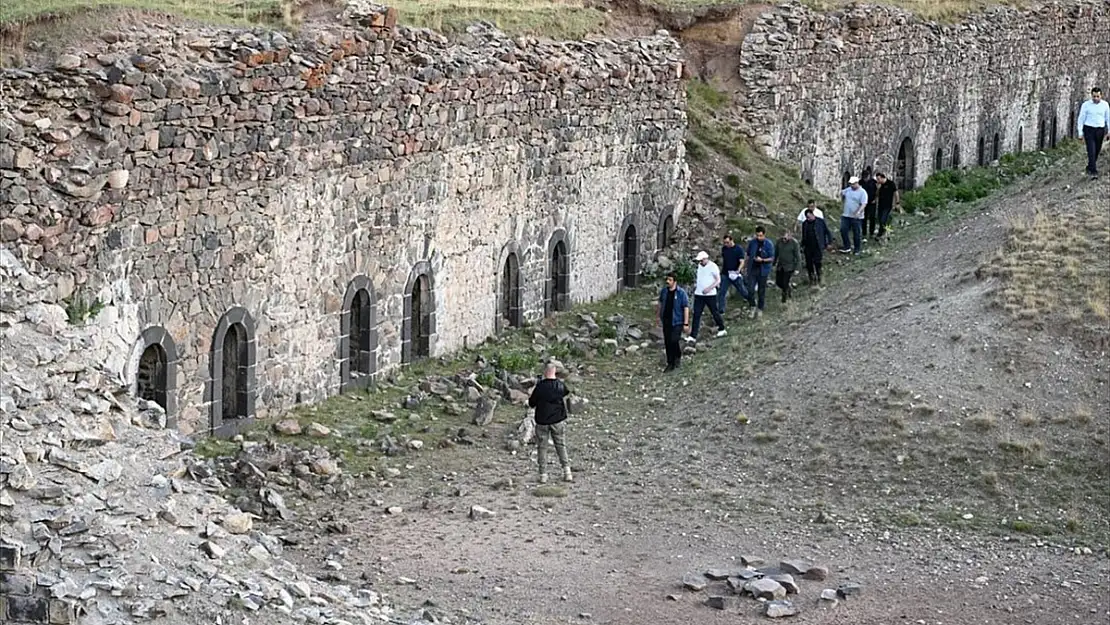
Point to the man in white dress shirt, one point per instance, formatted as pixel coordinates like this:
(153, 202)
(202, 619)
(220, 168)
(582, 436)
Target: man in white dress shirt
(1094, 119)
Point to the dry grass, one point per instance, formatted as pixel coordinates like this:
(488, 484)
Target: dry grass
(939, 10)
(216, 11)
(1055, 270)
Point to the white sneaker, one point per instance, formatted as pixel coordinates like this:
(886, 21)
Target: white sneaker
(567, 476)
(721, 333)
(751, 315)
(689, 339)
(543, 478)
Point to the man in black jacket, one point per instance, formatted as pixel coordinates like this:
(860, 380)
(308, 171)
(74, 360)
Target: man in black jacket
(549, 400)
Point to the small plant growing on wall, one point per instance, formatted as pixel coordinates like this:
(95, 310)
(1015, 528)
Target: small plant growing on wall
(79, 309)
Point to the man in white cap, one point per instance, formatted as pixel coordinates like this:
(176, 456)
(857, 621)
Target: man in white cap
(705, 294)
(851, 220)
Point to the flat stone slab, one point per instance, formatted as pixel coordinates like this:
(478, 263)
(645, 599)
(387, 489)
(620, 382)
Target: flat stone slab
(779, 609)
(694, 581)
(765, 589)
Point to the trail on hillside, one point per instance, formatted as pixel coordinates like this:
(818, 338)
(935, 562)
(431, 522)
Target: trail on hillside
(907, 433)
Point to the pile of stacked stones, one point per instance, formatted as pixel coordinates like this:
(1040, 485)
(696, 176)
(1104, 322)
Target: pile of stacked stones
(769, 585)
(105, 518)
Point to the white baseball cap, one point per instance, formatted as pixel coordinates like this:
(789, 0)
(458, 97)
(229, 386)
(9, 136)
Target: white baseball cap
(702, 255)
(853, 180)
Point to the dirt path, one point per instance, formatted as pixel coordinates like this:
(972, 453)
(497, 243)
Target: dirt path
(904, 432)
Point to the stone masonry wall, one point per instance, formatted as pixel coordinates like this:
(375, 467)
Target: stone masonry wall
(835, 92)
(198, 181)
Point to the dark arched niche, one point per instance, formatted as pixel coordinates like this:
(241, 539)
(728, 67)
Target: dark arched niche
(358, 335)
(628, 252)
(557, 279)
(510, 290)
(232, 388)
(156, 371)
(418, 327)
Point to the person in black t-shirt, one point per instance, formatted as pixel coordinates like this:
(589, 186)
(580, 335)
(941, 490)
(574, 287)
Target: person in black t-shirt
(888, 197)
(870, 214)
(549, 400)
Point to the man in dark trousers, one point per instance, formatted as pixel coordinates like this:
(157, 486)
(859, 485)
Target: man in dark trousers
(888, 196)
(732, 257)
(788, 257)
(870, 214)
(1094, 122)
(549, 400)
(815, 236)
(673, 312)
(761, 257)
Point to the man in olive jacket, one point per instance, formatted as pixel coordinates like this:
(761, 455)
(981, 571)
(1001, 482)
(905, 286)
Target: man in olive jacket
(787, 261)
(549, 400)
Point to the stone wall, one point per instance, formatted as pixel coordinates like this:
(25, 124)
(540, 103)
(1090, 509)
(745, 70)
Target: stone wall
(835, 92)
(225, 198)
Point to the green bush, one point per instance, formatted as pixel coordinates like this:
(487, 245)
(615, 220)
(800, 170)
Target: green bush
(685, 271)
(517, 361)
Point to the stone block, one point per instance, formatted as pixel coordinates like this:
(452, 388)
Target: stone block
(18, 584)
(28, 609)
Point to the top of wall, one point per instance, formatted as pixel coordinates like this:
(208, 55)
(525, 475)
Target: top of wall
(207, 54)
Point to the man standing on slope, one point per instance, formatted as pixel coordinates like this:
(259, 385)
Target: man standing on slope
(549, 400)
(705, 294)
(815, 235)
(888, 196)
(787, 258)
(732, 256)
(851, 220)
(761, 256)
(1094, 120)
(871, 213)
(673, 311)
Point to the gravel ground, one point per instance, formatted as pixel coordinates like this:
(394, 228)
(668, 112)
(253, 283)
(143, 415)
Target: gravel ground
(902, 431)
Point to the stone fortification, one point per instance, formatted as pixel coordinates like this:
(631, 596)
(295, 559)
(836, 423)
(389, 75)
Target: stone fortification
(257, 220)
(835, 92)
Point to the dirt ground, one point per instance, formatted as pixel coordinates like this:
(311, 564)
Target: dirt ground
(904, 431)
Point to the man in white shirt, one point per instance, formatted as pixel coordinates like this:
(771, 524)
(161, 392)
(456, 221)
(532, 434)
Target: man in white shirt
(1094, 119)
(816, 213)
(705, 294)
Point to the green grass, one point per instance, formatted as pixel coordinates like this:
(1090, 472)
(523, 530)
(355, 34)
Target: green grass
(951, 186)
(215, 11)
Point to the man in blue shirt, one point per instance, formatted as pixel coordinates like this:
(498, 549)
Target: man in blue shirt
(673, 312)
(851, 220)
(761, 257)
(1094, 120)
(732, 258)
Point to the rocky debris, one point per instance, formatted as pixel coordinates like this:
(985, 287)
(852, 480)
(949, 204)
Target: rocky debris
(848, 589)
(478, 512)
(105, 519)
(770, 585)
(779, 609)
(483, 411)
(288, 427)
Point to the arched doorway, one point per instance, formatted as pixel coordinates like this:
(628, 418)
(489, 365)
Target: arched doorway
(558, 278)
(418, 328)
(150, 377)
(956, 155)
(1071, 122)
(510, 292)
(1042, 135)
(845, 178)
(358, 349)
(996, 147)
(1055, 132)
(938, 160)
(630, 257)
(1020, 138)
(904, 173)
(666, 232)
(981, 154)
(232, 366)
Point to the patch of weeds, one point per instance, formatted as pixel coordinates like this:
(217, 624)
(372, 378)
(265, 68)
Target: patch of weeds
(608, 332)
(79, 309)
(213, 447)
(896, 421)
(764, 438)
(982, 421)
(907, 519)
(549, 491)
(922, 411)
(879, 442)
(732, 180)
(1027, 419)
(1082, 415)
(517, 361)
(1031, 527)
(990, 478)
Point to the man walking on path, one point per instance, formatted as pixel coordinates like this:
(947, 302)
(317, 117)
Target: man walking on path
(673, 311)
(788, 257)
(549, 400)
(851, 220)
(870, 214)
(810, 206)
(732, 257)
(761, 256)
(705, 294)
(888, 196)
(814, 237)
(1094, 121)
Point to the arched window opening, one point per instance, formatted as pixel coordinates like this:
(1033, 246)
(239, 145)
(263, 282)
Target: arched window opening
(938, 160)
(419, 322)
(630, 250)
(904, 166)
(558, 278)
(666, 232)
(996, 147)
(232, 364)
(511, 292)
